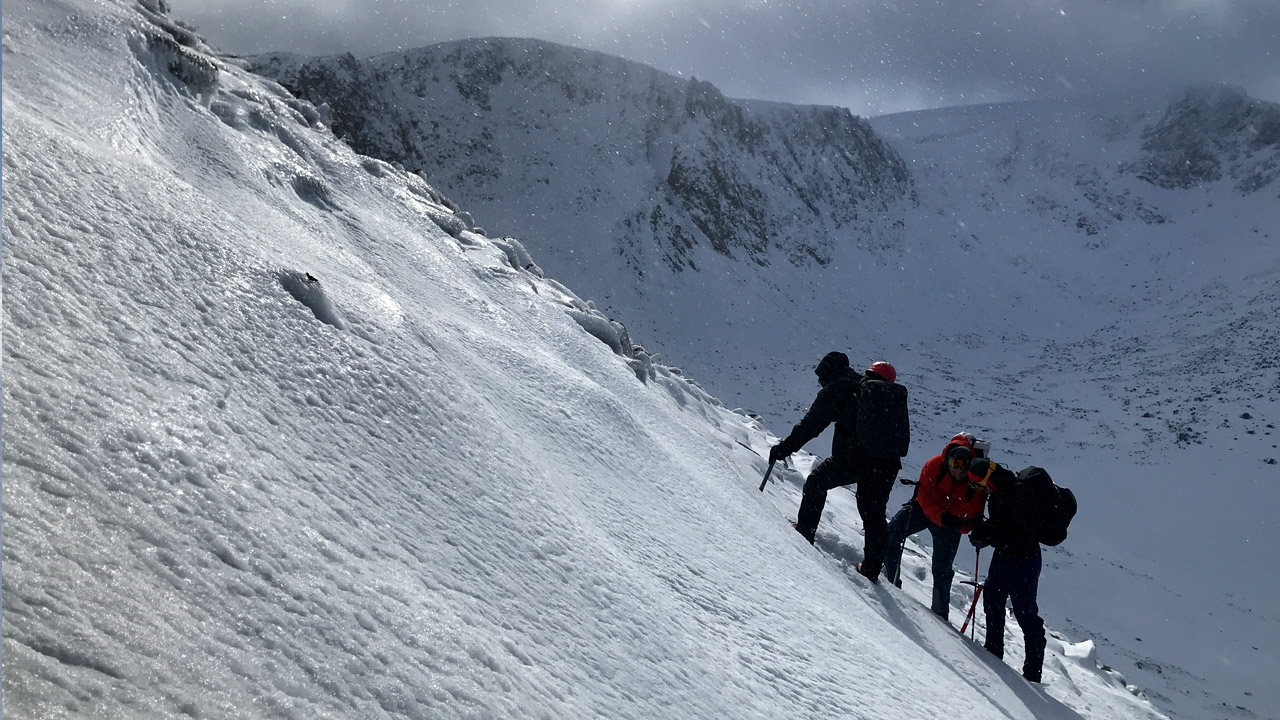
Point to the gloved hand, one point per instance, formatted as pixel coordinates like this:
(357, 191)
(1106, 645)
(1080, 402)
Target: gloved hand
(952, 522)
(776, 454)
(980, 536)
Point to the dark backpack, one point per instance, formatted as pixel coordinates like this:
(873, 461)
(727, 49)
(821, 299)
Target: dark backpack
(1055, 505)
(884, 426)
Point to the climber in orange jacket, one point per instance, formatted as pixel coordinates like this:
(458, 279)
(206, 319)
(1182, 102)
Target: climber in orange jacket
(946, 505)
(946, 499)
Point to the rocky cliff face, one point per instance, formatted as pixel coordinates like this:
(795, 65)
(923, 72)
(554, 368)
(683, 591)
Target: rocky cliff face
(1213, 133)
(657, 165)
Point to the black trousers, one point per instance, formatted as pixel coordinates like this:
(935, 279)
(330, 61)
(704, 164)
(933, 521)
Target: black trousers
(874, 480)
(1015, 579)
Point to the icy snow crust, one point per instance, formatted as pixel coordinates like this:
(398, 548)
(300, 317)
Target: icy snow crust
(283, 438)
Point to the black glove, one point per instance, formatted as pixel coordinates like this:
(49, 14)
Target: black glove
(952, 522)
(980, 537)
(777, 454)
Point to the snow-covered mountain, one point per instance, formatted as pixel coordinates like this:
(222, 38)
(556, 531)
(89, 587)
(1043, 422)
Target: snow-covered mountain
(285, 436)
(1093, 283)
(653, 170)
(658, 166)
(1211, 134)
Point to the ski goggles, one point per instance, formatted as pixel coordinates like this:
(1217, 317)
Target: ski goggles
(959, 457)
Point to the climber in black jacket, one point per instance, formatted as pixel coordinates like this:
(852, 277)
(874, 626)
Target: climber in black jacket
(837, 402)
(1014, 574)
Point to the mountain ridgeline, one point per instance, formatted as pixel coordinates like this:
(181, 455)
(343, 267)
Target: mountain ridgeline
(663, 165)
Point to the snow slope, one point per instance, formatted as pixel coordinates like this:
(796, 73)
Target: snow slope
(283, 438)
(1091, 284)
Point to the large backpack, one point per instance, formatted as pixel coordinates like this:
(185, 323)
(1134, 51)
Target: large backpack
(1055, 505)
(884, 426)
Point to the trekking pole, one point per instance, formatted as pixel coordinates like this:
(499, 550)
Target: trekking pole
(765, 481)
(977, 593)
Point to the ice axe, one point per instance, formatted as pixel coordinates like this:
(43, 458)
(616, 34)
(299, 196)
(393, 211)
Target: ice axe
(767, 473)
(977, 593)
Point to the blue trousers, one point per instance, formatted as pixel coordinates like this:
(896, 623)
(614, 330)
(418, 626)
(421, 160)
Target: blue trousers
(1015, 579)
(909, 521)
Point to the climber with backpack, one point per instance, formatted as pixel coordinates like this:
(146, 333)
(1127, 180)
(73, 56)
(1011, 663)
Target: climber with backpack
(1024, 510)
(947, 506)
(871, 435)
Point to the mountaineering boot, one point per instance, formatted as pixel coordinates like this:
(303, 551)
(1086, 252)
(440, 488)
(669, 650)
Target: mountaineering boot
(941, 602)
(997, 651)
(873, 578)
(1034, 662)
(807, 535)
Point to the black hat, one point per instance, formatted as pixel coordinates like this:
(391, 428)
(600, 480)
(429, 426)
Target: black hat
(831, 364)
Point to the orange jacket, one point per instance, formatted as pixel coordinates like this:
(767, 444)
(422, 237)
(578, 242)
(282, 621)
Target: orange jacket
(938, 493)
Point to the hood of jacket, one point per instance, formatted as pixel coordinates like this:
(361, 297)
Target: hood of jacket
(938, 493)
(960, 440)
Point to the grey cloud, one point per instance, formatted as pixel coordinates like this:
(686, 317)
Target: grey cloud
(872, 57)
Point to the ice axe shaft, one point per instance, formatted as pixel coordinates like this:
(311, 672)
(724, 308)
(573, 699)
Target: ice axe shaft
(767, 473)
(977, 593)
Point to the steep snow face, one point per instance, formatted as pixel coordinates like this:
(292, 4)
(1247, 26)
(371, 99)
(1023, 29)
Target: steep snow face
(649, 165)
(285, 437)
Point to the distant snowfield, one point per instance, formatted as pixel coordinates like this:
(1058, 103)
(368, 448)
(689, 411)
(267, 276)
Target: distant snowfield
(283, 438)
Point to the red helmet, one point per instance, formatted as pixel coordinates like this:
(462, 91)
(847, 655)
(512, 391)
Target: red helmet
(884, 370)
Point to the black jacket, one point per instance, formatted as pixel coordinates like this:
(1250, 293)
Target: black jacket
(1012, 524)
(837, 402)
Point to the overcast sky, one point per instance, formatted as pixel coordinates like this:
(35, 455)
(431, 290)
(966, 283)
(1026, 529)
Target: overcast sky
(872, 57)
